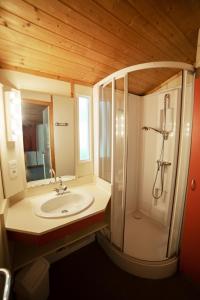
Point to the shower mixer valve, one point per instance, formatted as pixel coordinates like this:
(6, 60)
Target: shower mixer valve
(163, 163)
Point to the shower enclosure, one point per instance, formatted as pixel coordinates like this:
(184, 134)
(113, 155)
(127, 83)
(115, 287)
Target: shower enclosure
(143, 150)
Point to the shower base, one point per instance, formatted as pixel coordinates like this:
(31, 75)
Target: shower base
(144, 239)
(137, 267)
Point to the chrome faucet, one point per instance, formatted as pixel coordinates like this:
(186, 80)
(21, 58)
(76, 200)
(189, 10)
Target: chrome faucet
(61, 189)
(53, 174)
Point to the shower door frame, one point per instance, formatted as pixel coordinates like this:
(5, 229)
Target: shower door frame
(118, 244)
(177, 211)
(123, 202)
(124, 73)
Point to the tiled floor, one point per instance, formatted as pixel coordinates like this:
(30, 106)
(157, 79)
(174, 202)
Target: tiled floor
(89, 274)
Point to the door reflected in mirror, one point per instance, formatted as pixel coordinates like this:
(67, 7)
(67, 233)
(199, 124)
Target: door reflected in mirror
(48, 136)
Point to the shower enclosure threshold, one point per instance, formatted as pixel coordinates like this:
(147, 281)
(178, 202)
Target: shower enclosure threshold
(137, 267)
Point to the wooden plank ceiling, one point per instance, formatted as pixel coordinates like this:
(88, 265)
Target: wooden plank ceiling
(83, 41)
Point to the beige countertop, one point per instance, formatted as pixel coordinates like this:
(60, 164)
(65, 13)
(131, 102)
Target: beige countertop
(22, 218)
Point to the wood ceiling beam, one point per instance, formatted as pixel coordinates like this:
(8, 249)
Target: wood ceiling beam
(72, 89)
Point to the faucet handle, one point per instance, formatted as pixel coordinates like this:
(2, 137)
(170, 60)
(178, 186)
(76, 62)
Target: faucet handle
(60, 191)
(60, 181)
(56, 190)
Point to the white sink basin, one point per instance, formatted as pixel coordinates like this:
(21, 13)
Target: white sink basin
(66, 205)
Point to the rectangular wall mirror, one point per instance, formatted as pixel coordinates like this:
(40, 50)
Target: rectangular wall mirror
(49, 137)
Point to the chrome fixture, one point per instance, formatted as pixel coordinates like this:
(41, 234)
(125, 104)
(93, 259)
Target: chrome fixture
(161, 164)
(52, 174)
(61, 189)
(164, 133)
(7, 283)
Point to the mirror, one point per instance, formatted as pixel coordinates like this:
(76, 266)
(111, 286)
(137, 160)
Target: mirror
(49, 137)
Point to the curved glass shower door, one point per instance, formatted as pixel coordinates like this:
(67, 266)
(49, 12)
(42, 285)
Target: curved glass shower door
(149, 135)
(153, 154)
(119, 161)
(112, 148)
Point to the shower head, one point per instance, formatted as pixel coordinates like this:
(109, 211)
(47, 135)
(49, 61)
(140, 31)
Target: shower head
(151, 128)
(163, 132)
(145, 128)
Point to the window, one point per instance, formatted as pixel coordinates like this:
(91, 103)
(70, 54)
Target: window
(84, 128)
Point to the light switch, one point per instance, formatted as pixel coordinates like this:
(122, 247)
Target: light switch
(13, 172)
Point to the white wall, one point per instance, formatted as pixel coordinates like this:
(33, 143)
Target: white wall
(8, 152)
(151, 144)
(34, 95)
(64, 136)
(24, 81)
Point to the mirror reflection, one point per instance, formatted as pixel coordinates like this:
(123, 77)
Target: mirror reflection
(48, 136)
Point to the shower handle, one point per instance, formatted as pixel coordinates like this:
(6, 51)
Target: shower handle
(193, 185)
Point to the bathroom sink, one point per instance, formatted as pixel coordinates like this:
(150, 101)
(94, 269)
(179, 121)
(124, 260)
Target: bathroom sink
(65, 205)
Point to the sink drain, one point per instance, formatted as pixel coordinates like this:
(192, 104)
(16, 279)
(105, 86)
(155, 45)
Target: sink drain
(64, 211)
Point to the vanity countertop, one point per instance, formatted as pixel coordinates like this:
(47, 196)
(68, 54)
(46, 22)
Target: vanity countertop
(21, 216)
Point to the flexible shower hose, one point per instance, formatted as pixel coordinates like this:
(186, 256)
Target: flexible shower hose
(161, 168)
